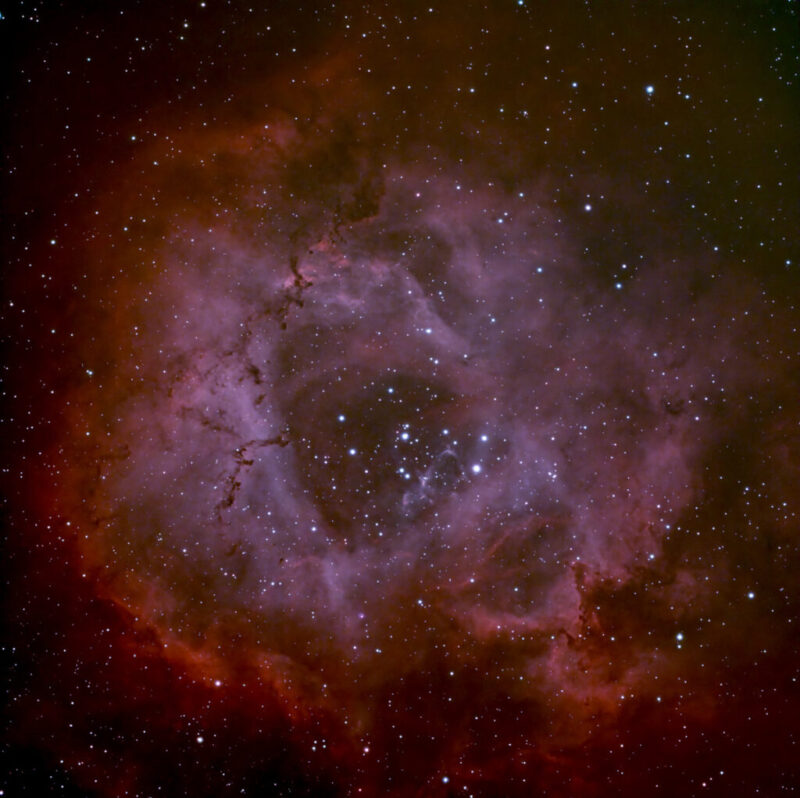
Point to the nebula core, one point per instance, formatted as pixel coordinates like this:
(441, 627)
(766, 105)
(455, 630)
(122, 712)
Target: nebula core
(403, 400)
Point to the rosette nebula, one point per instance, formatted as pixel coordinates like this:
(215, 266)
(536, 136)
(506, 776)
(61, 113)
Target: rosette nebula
(402, 400)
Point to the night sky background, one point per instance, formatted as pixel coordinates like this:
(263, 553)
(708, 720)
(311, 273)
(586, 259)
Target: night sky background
(401, 399)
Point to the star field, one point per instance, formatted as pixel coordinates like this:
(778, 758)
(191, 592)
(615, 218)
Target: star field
(401, 399)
